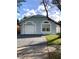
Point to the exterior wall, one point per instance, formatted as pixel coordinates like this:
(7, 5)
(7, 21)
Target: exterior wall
(38, 21)
(22, 28)
(57, 29)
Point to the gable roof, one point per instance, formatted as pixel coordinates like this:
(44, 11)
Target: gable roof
(36, 16)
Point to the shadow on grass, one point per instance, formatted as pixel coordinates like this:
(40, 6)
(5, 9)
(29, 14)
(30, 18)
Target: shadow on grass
(50, 41)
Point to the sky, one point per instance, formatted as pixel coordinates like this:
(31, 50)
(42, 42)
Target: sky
(33, 7)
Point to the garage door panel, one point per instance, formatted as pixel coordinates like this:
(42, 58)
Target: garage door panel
(29, 29)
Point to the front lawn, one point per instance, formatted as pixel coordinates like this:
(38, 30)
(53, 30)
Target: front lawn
(53, 39)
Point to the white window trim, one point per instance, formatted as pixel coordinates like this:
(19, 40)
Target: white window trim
(32, 23)
(44, 32)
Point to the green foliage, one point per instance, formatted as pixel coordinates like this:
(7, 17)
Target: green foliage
(58, 3)
(19, 2)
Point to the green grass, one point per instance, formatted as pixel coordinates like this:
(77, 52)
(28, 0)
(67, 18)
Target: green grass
(53, 39)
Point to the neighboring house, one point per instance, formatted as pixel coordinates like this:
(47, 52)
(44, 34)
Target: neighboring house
(18, 27)
(37, 24)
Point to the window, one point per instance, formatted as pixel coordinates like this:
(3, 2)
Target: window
(46, 26)
(29, 23)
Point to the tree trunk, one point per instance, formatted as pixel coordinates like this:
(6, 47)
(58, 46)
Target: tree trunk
(45, 8)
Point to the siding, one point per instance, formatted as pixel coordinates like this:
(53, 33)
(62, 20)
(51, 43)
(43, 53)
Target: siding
(38, 21)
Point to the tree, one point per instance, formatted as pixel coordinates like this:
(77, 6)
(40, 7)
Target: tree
(19, 2)
(58, 3)
(46, 3)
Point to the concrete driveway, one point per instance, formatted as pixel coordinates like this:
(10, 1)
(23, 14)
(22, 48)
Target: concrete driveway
(32, 48)
(30, 41)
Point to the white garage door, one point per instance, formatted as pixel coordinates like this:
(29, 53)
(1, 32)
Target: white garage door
(29, 28)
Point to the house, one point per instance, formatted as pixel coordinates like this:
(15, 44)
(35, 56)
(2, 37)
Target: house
(37, 24)
(58, 27)
(18, 27)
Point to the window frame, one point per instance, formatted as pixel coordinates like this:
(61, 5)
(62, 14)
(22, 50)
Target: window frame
(43, 23)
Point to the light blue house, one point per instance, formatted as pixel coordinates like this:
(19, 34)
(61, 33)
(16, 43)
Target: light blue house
(37, 24)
